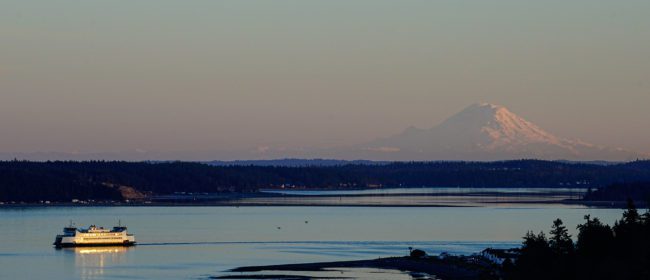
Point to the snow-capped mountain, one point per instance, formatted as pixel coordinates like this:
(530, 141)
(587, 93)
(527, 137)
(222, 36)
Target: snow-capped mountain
(486, 132)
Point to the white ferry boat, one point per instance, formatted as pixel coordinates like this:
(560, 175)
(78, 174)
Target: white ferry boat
(94, 236)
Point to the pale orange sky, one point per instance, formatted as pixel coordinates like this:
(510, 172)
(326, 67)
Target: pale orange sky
(185, 77)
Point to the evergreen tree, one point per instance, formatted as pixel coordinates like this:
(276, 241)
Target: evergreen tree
(535, 261)
(595, 239)
(631, 242)
(560, 241)
(563, 249)
(631, 215)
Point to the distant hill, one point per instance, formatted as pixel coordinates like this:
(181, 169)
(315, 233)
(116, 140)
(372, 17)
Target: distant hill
(100, 180)
(294, 162)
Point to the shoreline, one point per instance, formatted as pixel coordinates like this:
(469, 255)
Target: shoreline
(586, 204)
(453, 268)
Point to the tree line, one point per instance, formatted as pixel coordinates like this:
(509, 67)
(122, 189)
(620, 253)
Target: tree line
(621, 251)
(63, 180)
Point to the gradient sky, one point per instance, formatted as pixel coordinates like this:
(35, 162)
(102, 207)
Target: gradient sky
(187, 77)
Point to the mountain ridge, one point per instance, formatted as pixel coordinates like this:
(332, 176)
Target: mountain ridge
(486, 131)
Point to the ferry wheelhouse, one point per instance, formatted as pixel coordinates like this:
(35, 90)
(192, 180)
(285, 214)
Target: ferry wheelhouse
(94, 236)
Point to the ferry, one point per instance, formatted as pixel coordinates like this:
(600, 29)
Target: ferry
(94, 236)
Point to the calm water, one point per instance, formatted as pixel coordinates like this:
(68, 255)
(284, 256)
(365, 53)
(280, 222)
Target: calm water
(198, 242)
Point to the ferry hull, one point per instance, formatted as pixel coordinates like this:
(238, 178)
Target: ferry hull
(103, 244)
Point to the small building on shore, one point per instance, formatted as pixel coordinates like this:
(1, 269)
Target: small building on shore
(499, 256)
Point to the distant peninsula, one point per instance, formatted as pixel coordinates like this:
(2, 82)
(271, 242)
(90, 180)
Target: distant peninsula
(28, 181)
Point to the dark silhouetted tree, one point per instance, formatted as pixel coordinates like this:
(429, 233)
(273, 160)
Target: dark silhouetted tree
(563, 249)
(560, 241)
(631, 243)
(536, 258)
(595, 239)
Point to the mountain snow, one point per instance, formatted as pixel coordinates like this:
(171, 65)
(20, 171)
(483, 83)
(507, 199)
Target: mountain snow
(486, 132)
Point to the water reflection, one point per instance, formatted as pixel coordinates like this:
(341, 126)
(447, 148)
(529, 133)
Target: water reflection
(90, 262)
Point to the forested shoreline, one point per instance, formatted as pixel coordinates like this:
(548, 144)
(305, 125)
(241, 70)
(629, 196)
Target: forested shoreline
(601, 251)
(108, 180)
